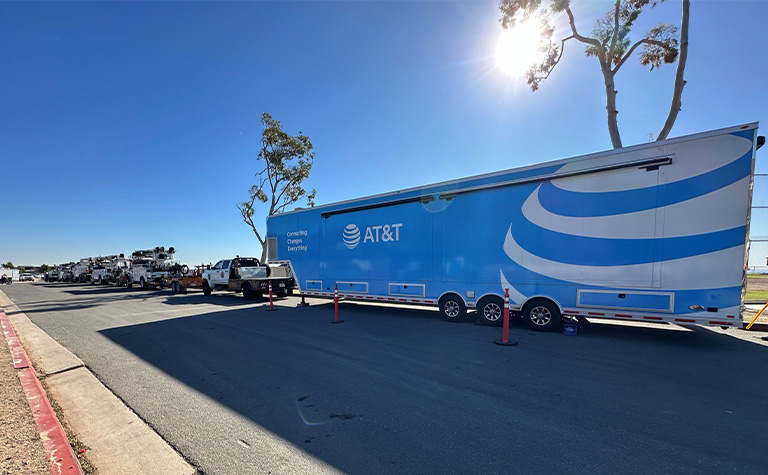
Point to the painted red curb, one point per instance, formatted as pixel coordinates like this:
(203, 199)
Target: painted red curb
(18, 354)
(61, 458)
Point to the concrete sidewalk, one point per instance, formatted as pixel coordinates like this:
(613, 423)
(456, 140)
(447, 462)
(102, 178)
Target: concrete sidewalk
(119, 441)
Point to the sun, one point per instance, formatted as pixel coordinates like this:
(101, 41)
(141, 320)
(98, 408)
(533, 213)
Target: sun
(518, 48)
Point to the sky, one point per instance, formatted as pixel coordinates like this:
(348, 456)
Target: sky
(130, 125)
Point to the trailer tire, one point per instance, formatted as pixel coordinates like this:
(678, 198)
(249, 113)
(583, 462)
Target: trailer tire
(490, 311)
(452, 308)
(206, 288)
(542, 315)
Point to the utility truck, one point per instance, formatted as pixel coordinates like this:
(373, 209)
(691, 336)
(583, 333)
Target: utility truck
(65, 272)
(81, 271)
(151, 268)
(249, 276)
(654, 233)
(109, 269)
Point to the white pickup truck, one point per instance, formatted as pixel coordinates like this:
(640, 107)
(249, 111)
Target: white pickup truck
(247, 275)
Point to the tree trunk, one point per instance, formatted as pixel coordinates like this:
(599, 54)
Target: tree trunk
(263, 253)
(679, 81)
(610, 106)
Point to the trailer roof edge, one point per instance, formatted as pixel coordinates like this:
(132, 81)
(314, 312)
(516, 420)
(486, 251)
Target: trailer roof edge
(684, 138)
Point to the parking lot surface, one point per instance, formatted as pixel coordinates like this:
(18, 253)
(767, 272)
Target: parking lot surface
(236, 389)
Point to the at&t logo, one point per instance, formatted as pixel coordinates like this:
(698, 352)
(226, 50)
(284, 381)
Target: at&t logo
(380, 233)
(351, 236)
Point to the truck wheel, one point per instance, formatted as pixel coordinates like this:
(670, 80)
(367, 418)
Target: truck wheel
(491, 311)
(128, 284)
(206, 288)
(452, 308)
(248, 292)
(144, 285)
(173, 288)
(541, 315)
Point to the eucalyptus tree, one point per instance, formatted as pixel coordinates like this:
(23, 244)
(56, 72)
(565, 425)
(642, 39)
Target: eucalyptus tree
(287, 161)
(610, 43)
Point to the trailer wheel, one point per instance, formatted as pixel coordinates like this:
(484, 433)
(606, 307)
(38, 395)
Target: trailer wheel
(206, 288)
(452, 308)
(491, 311)
(541, 315)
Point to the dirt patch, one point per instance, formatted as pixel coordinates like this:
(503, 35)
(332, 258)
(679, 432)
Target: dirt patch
(757, 282)
(21, 451)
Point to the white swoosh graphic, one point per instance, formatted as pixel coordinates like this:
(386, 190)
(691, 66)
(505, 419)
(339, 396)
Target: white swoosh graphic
(689, 273)
(705, 214)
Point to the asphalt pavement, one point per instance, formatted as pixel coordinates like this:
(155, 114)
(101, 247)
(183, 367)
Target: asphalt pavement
(236, 389)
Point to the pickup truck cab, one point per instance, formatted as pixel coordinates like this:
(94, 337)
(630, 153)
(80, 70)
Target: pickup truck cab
(249, 276)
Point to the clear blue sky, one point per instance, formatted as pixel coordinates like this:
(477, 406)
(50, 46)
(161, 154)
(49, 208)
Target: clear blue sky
(130, 125)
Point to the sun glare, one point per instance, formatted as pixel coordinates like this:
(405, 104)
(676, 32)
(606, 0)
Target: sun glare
(518, 48)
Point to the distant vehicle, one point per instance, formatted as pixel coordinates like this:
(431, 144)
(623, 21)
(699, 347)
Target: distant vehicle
(27, 277)
(656, 232)
(247, 275)
(151, 268)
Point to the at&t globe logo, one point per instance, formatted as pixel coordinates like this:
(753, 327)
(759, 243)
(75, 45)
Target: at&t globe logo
(351, 236)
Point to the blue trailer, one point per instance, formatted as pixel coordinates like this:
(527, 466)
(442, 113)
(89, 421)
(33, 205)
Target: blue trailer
(656, 232)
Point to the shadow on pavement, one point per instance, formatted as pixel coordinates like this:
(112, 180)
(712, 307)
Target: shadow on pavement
(396, 390)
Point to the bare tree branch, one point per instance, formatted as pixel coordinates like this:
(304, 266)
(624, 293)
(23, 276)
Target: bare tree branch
(583, 39)
(679, 81)
(612, 48)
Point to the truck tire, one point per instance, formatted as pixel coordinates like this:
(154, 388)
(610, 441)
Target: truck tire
(541, 315)
(491, 311)
(206, 288)
(452, 308)
(248, 292)
(144, 285)
(129, 284)
(174, 289)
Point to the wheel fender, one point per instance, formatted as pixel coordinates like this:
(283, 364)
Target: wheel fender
(545, 297)
(490, 294)
(457, 294)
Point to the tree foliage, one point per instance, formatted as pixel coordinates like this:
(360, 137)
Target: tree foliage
(9, 265)
(287, 161)
(45, 268)
(609, 42)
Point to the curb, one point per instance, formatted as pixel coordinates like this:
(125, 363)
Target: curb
(61, 458)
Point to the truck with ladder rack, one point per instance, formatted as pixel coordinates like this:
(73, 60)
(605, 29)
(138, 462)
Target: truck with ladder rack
(151, 268)
(655, 233)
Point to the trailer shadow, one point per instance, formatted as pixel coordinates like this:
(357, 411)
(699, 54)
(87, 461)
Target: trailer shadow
(361, 395)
